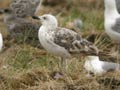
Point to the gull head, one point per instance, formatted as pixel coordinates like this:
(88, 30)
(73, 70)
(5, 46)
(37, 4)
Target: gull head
(47, 20)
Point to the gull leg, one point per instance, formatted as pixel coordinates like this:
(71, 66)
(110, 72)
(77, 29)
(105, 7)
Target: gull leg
(63, 65)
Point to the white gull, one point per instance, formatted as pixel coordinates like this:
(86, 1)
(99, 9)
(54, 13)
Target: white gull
(94, 65)
(112, 20)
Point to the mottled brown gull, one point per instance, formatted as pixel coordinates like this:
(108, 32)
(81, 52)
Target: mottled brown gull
(62, 42)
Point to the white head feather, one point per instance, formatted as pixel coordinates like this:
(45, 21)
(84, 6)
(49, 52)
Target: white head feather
(48, 20)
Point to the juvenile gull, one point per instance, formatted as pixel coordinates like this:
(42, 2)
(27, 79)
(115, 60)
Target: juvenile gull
(94, 65)
(20, 27)
(1, 42)
(62, 42)
(15, 18)
(24, 8)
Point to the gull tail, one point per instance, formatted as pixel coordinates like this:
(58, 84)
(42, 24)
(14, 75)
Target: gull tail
(109, 66)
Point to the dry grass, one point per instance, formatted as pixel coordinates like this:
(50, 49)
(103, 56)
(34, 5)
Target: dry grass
(23, 67)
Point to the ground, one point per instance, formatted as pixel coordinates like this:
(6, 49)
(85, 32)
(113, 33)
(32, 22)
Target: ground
(24, 67)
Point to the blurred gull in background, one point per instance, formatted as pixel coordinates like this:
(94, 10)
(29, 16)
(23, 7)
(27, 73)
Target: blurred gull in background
(15, 18)
(94, 65)
(112, 24)
(112, 20)
(19, 27)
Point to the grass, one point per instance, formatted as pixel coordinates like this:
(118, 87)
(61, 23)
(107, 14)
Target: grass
(24, 67)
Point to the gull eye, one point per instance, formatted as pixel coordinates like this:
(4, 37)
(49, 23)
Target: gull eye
(44, 18)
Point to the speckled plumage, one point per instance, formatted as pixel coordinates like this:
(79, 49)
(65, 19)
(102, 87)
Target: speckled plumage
(71, 41)
(24, 8)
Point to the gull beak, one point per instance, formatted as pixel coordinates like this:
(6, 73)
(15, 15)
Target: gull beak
(7, 10)
(36, 17)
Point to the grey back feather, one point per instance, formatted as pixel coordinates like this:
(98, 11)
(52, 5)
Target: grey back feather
(116, 27)
(118, 5)
(110, 66)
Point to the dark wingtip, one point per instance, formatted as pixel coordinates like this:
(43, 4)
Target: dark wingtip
(36, 17)
(7, 10)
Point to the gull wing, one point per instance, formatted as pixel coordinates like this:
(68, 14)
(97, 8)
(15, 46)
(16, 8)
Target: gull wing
(116, 27)
(73, 42)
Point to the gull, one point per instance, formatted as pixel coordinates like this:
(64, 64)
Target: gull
(112, 20)
(94, 65)
(1, 42)
(24, 8)
(19, 27)
(112, 23)
(60, 41)
(15, 18)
